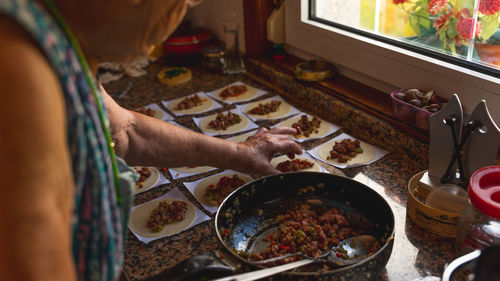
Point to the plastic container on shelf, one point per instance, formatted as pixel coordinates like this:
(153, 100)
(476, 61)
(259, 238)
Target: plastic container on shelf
(479, 223)
(410, 113)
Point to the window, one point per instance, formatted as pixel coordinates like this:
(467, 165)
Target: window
(380, 44)
(435, 27)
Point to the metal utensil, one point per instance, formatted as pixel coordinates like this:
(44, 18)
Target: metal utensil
(349, 251)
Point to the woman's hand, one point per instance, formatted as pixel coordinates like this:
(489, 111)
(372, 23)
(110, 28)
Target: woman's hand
(258, 150)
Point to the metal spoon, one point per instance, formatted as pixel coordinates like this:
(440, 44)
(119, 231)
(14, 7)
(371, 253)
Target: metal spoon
(352, 250)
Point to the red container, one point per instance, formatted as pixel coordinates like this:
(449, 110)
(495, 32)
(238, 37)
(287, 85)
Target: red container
(410, 113)
(186, 44)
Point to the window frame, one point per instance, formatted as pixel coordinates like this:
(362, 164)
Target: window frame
(383, 66)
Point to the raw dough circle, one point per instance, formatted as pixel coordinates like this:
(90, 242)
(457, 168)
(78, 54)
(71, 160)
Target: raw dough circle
(315, 168)
(323, 129)
(206, 104)
(200, 169)
(283, 110)
(249, 94)
(201, 187)
(362, 158)
(231, 129)
(139, 218)
(158, 114)
(149, 182)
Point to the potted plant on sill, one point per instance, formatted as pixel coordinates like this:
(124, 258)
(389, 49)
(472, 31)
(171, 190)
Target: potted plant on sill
(449, 24)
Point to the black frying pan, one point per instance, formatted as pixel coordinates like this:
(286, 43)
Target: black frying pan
(249, 213)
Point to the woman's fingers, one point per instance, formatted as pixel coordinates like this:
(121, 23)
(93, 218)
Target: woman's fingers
(283, 131)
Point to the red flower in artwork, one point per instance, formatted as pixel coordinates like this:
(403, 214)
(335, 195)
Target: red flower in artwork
(441, 21)
(399, 1)
(465, 28)
(489, 7)
(437, 6)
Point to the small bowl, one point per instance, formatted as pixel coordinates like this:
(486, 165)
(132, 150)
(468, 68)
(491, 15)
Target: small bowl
(314, 70)
(410, 113)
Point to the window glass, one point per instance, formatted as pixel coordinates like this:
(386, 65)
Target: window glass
(464, 31)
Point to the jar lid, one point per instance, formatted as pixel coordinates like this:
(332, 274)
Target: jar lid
(484, 191)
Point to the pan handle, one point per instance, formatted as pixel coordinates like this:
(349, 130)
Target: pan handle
(196, 267)
(258, 274)
(459, 262)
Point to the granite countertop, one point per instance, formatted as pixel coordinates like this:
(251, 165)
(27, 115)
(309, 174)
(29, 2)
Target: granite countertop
(416, 253)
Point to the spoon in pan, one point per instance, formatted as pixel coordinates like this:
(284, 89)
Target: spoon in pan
(347, 252)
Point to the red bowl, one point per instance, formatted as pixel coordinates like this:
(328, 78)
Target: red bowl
(187, 42)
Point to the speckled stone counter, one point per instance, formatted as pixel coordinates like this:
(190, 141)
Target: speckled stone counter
(416, 252)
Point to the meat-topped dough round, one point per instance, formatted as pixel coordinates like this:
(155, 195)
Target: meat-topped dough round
(248, 94)
(148, 182)
(315, 168)
(231, 129)
(366, 156)
(206, 103)
(283, 109)
(323, 129)
(201, 189)
(140, 216)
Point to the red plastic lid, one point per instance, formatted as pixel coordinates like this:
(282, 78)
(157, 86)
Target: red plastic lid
(188, 36)
(484, 191)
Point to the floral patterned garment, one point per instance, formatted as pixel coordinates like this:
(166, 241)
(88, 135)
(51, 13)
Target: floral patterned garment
(99, 223)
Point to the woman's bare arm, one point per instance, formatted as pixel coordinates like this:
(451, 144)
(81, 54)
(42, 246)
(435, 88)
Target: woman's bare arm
(37, 187)
(146, 141)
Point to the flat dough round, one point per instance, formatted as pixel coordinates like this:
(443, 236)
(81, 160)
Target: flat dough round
(205, 105)
(139, 219)
(323, 129)
(316, 168)
(158, 114)
(241, 138)
(365, 157)
(201, 187)
(200, 169)
(249, 94)
(231, 129)
(149, 182)
(283, 110)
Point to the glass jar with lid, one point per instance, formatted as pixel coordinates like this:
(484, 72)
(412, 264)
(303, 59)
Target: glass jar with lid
(479, 223)
(213, 59)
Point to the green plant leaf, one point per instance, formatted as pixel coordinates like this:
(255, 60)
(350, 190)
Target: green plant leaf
(442, 36)
(452, 29)
(415, 24)
(490, 26)
(452, 48)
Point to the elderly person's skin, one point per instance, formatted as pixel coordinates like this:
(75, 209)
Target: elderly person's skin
(37, 183)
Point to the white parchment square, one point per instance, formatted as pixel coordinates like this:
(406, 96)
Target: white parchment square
(379, 153)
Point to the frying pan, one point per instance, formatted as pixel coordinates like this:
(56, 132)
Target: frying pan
(249, 213)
